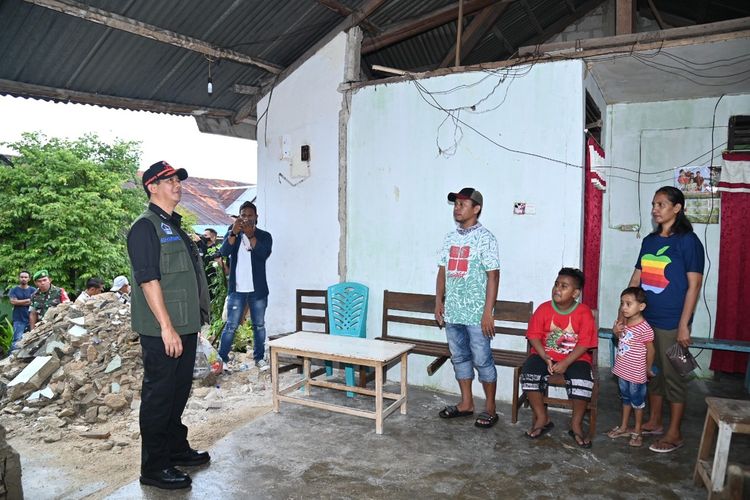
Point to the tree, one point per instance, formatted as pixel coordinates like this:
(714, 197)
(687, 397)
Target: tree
(67, 207)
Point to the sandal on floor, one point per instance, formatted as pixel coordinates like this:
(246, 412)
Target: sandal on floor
(662, 446)
(453, 412)
(582, 443)
(485, 420)
(541, 430)
(617, 432)
(636, 440)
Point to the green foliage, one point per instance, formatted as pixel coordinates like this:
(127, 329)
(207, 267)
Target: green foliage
(189, 219)
(243, 337)
(67, 207)
(218, 288)
(6, 336)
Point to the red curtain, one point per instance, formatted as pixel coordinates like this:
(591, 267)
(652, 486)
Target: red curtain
(592, 223)
(733, 298)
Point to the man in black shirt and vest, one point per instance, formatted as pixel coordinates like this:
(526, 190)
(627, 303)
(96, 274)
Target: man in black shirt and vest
(169, 305)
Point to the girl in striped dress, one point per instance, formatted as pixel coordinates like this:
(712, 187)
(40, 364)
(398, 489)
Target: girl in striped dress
(634, 361)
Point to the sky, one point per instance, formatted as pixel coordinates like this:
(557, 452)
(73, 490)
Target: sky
(175, 139)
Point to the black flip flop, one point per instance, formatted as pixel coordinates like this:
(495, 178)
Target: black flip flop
(485, 420)
(542, 430)
(453, 412)
(583, 444)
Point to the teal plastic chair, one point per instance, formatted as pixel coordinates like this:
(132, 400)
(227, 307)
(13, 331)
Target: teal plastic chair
(347, 315)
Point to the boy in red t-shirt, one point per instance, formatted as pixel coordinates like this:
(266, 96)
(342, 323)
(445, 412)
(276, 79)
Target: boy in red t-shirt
(561, 333)
(635, 357)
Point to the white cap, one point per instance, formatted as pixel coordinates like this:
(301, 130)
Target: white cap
(119, 282)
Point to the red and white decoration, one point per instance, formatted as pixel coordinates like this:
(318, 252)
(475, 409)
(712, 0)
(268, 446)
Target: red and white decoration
(733, 294)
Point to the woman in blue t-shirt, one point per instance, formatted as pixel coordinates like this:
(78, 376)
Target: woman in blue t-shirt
(670, 270)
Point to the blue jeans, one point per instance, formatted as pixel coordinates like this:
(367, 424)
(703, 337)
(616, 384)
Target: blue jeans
(18, 328)
(632, 394)
(235, 308)
(470, 349)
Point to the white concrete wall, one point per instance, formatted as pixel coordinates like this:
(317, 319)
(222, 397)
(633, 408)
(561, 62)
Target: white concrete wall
(303, 219)
(655, 138)
(398, 181)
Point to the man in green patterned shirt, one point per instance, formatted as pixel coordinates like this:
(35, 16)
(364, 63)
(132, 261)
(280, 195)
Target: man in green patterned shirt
(465, 293)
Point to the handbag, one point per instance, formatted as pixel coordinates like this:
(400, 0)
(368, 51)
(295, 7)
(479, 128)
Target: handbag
(681, 359)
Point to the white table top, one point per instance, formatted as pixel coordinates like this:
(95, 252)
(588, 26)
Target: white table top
(338, 345)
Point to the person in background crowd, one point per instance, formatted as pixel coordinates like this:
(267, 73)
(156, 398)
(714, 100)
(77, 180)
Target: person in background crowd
(94, 286)
(248, 249)
(46, 296)
(121, 287)
(20, 298)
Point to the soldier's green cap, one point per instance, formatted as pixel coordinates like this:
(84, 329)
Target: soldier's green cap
(42, 273)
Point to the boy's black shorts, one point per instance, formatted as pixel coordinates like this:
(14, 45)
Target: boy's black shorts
(579, 380)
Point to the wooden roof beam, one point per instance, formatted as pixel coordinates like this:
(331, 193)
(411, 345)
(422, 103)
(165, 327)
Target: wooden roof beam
(657, 15)
(532, 17)
(412, 27)
(625, 17)
(65, 95)
(122, 23)
(499, 35)
(345, 11)
(478, 27)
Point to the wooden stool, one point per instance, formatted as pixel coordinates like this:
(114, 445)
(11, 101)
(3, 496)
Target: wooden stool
(729, 416)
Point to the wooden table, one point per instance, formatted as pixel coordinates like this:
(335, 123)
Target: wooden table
(365, 352)
(729, 416)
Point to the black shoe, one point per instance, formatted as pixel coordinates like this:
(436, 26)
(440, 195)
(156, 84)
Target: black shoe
(167, 479)
(190, 458)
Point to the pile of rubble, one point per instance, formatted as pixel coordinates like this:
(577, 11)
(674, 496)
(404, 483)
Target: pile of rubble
(81, 364)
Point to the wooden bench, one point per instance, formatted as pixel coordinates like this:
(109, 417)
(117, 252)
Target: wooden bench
(312, 316)
(697, 343)
(404, 308)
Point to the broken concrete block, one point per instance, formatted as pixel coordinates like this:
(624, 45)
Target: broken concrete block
(80, 321)
(95, 434)
(77, 331)
(115, 388)
(115, 401)
(91, 354)
(45, 393)
(67, 412)
(33, 376)
(114, 364)
(91, 415)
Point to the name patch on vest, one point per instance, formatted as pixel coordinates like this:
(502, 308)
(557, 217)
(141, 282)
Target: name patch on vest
(167, 239)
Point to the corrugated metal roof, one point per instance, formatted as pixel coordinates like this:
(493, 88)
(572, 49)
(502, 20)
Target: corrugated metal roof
(66, 54)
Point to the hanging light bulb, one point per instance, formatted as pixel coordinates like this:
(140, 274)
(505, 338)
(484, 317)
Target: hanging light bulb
(210, 86)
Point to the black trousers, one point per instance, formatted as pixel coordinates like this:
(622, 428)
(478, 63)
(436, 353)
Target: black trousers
(166, 387)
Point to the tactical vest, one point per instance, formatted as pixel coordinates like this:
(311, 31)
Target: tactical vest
(179, 285)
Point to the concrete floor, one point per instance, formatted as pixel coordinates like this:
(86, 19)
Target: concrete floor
(309, 453)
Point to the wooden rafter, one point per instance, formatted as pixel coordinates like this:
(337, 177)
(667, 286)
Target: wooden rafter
(571, 5)
(65, 95)
(625, 17)
(532, 17)
(499, 35)
(353, 19)
(412, 27)
(562, 23)
(657, 15)
(239, 88)
(481, 23)
(139, 28)
(344, 11)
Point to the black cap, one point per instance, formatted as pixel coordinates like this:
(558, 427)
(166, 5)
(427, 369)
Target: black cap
(467, 194)
(162, 170)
